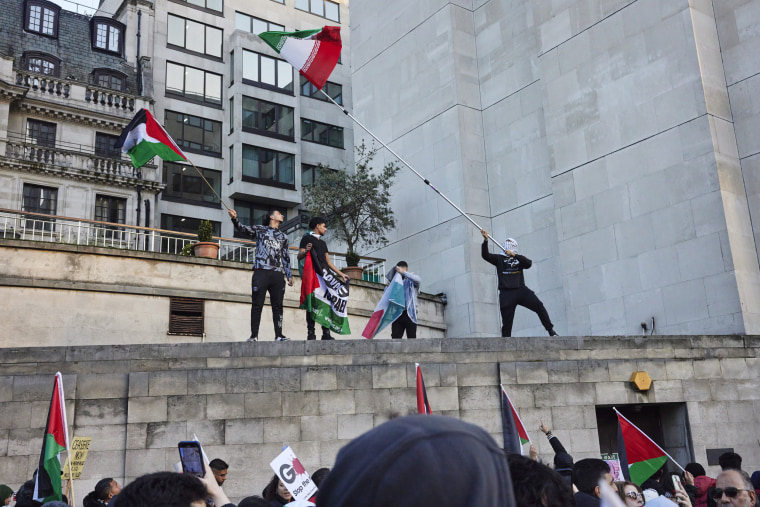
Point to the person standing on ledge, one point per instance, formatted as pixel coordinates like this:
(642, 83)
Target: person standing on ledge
(407, 321)
(512, 289)
(272, 257)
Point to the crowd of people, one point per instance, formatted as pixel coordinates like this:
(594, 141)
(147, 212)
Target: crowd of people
(437, 461)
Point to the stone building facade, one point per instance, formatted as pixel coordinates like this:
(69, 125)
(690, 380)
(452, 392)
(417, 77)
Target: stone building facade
(613, 138)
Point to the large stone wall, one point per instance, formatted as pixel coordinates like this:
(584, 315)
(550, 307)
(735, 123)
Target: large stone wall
(244, 401)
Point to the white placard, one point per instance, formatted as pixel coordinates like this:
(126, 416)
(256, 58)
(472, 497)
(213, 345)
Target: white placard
(293, 475)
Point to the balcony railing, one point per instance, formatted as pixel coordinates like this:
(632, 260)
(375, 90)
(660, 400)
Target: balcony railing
(30, 226)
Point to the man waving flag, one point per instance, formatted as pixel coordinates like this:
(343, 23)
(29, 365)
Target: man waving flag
(313, 52)
(47, 487)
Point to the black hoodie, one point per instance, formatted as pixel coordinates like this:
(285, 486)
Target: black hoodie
(419, 461)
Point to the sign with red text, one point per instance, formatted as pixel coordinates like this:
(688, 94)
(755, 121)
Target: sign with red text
(293, 475)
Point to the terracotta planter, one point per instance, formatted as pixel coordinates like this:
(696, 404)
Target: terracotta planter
(206, 249)
(353, 272)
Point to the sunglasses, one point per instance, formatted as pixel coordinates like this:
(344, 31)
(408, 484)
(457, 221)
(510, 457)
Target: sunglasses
(730, 492)
(633, 495)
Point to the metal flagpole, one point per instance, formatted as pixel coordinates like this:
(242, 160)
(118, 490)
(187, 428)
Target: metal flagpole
(71, 478)
(427, 182)
(207, 183)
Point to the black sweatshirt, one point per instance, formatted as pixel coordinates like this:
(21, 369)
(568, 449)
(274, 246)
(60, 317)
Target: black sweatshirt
(509, 269)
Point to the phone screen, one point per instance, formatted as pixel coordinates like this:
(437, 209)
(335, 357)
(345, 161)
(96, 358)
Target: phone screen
(191, 458)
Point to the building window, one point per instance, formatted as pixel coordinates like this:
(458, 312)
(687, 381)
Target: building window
(262, 117)
(310, 174)
(42, 63)
(110, 209)
(42, 17)
(195, 134)
(194, 36)
(232, 114)
(107, 35)
(255, 25)
(187, 225)
(324, 8)
(232, 67)
(321, 133)
(41, 133)
(104, 145)
(231, 163)
(107, 78)
(39, 199)
(194, 84)
(211, 5)
(267, 72)
(186, 316)
(250, 213)
(334, 90)
(183, 182)
(268, 167)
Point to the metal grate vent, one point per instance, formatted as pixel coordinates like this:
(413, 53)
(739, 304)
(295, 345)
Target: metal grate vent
(186, 316)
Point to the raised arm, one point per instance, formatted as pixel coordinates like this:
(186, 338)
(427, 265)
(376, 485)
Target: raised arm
(487, 256)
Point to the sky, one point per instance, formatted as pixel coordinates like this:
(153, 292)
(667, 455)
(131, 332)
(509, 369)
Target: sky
(80, 6)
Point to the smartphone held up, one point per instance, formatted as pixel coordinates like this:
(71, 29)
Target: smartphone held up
(191, 457)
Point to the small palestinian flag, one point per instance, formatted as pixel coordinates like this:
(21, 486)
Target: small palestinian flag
(144, 138)
(423, 406)
(390, 308)
(325, 296)
(639, 456)
(47, 487)
(313, 52)
(512, 427)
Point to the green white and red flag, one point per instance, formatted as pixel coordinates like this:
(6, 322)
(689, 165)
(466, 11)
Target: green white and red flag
(325, 296)
(144, 138)
(47, 487)
(639, 455)
(514, 432)
(313, 52)
(423, 405)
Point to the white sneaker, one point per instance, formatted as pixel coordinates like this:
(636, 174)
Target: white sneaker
(252, 339)
(281, 339)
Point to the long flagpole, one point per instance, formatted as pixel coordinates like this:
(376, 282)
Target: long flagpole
(655, 443)
(207, 183)
(71, 478)
(424, 179)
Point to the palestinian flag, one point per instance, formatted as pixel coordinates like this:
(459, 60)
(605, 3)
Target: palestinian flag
(144, 138)
(639, 456)
(514, 432)
(313, 52)
(390, 307)
(325, 296)
(423, 406)
(56, 440)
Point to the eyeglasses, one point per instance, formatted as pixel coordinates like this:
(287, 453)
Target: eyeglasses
(633, 495)
(730, 492)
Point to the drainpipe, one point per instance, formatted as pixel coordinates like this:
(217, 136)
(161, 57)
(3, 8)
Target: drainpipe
(147, 212)
(139, 67)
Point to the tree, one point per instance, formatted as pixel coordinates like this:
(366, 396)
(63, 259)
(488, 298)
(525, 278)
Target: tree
(356, 204)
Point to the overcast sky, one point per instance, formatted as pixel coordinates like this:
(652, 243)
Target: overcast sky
(80, 6)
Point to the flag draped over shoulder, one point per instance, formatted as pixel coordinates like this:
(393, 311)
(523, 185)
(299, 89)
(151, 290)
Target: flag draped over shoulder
(313, 52)
(512, 427)
(390, 307)
(47, 487)
(423, 406)
(144, 138)
(325, 296)
(639, 456)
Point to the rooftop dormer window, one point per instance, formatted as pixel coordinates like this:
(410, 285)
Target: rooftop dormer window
(42, 17)
(109, 78)
(108, 35)
(42, 63)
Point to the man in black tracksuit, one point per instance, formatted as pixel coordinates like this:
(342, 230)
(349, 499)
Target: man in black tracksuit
(271, 259)
(512, 289)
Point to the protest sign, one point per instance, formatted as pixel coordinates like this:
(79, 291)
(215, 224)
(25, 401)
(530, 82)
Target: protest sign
(293, 475)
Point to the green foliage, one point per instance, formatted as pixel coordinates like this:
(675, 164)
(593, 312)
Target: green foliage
(357, 204)
(187, 250)
(205, 231)
(352, 258)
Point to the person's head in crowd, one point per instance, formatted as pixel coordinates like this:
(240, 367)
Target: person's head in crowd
(535, 484)
(318, 225)
(587, 473)
(25, 495)
(630, 493)
(755, 478)
(734, 487)
(219, 469)
(254, 501)
(419, 461)
(167, 489)
(277, 492)
(563, 465)
(320, 475)
(695, 469)
(6, 494)
(104, 490)
(730, 460)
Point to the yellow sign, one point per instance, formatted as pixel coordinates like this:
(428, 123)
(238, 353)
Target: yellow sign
(77, 455)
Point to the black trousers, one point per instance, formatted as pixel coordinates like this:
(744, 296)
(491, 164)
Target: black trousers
(509, 299)
(403, 323)
(263, 281)
(310, 326)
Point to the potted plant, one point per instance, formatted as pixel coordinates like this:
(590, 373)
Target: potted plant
(357, 204)
(205, 247)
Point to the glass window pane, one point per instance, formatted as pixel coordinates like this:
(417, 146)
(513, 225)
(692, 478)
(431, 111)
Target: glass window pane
(101, 35)
(199, 3)
(194, 40)
(212, 139)
(302, 4)
(268, 117)
(274, 27)
(336, 137)
(175, 28)
(242, 22)
(259, 26)
(213, 88)
(267, 164)
(284, 75)
(285, 123)
(194, 81)
(267, 70)
(318, 7)
(250, 161)
(175, 78)
(193, 136)
(286, 168)
(173, 126)
(306, 130)
(332, 11)
(213, 42)
(250, 65)
(214, 4)
(35, 17)
(113, 38)
(250, 112)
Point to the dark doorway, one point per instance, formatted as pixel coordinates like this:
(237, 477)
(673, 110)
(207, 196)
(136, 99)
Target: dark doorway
(665, 423)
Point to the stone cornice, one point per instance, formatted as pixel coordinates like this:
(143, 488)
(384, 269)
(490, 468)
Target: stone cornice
(81, 116)
(10, 92)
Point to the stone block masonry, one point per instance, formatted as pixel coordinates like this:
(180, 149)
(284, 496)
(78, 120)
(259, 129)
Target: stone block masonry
(138, 401)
